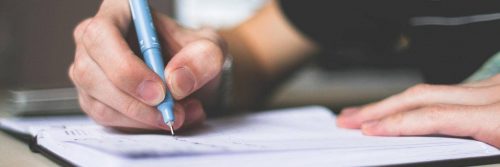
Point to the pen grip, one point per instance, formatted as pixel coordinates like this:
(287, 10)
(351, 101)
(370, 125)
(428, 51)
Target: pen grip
(154, 60)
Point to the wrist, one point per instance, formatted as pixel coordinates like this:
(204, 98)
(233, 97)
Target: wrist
(219, 101)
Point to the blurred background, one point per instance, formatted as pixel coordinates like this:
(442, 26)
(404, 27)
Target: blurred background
(36, 48)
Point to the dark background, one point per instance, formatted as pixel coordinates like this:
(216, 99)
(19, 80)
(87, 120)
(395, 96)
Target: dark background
(36, 44)
(36, 49)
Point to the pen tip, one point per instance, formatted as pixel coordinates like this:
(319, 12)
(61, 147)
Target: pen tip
(170, 124)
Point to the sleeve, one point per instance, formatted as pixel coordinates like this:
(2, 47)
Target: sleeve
(331, 23)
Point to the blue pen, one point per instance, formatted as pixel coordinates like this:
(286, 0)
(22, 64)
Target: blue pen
(151, 51)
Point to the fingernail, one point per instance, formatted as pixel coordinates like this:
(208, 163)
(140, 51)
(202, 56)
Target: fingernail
(349, 111)
(151, 92)
(182, 81)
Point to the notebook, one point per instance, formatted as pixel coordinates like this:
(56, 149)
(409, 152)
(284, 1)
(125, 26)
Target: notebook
(305, 136)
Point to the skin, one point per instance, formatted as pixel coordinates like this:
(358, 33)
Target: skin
(117, 90)
(115, 86)
(464, 110)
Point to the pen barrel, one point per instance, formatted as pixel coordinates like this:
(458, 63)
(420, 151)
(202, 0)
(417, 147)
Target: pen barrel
(154, 60)
(151, 50)
(166, 107)
(146, 34)
(144, 25)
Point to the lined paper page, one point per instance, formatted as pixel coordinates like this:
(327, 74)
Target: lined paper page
(297, 137)
(31, 125)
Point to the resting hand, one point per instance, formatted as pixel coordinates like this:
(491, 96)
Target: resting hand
(466, 110)
(115, 86)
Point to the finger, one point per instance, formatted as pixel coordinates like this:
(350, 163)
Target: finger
(419, 96)
(106, 45)
(106, 116)
(80, 29)
(116, 12)
(443, 119)
(194, 113)
(194, 66)
(176, 36)
(462, 121)
(171, 34)
(198, 62)
(348, 111)
(90, 78)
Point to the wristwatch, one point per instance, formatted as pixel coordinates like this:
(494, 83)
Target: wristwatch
(223, 103)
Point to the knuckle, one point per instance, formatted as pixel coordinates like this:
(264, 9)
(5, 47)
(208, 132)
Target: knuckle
(78, 32)
(212, 35)
(79, 69)
(94, 32)
(211, 52)
(422, 91)
(70, 72)
(80, 28)
(80, 74)
(419, 88)
(206, 46)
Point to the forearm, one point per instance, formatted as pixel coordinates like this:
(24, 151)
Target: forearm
(249, 79)
(265, 49)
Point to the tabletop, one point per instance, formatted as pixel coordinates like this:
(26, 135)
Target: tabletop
(16, 153)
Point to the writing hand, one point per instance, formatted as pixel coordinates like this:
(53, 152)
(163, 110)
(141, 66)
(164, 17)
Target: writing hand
(115, 86)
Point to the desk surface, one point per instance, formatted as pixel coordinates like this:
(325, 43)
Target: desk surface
(17, 153)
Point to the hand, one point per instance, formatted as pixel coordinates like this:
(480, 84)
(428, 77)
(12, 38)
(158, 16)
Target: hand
(466, 110)
(115, 86)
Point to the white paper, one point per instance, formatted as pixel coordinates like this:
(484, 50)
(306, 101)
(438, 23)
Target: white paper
(293, 137)
(31, 125)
